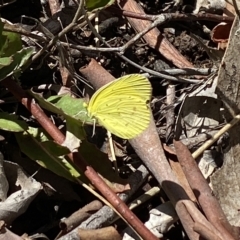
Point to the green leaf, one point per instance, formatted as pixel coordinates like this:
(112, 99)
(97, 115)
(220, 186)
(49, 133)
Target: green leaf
(10, 42)
(36, 145)
(75, 113)
(92, 5)
(5, 61)
(73, 109)
(11, 123)
(18, 60)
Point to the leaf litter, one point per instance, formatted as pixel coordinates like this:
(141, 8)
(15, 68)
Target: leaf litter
(194, 95)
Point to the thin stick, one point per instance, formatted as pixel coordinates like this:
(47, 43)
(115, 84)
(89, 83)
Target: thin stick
(208, 143)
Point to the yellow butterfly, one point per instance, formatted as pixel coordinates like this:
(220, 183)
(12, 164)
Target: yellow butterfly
(121, 106)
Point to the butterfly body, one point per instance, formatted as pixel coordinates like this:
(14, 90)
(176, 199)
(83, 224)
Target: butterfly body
(122, 106)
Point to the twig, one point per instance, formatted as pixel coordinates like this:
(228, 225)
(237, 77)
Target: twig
(170, 120)
(179, 16)
(199, 218)
(67, 224)
(106, 214)
(188, 71)
(17, 29)
(158, 21)
(211, 141)
(205, 232)
(208, 202)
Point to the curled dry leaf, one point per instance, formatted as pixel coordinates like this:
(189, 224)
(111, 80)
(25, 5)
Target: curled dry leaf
(220, 34)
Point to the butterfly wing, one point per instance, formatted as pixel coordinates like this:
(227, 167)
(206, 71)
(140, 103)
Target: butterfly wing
(127, 118)
(121, 106)
(132, 84)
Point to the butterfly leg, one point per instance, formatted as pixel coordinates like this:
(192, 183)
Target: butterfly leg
(94, 127)
(113, 157)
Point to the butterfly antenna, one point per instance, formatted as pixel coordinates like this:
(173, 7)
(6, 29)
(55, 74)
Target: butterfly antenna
(113, 157)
